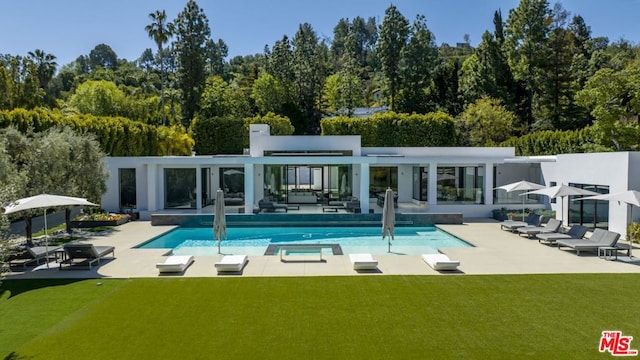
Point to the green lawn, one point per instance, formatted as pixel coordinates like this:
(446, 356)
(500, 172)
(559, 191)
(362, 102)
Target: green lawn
(360, 317)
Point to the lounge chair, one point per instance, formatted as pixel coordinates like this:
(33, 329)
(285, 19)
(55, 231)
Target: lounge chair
(231, 263)
(86, 253)
(440, 262)
(551, 226)
(363, 262)
(575, 232)
(34, 254)
(270, 206)
(600, 238)
(175, 263)
(531, 220)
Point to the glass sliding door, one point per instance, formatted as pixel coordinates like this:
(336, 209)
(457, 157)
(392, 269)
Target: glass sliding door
(180, 188)
(420, 183)
(460, 184)
(127, 180)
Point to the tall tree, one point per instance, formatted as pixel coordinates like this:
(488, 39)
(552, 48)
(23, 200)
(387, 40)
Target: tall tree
(103, 57)
(526, 37)
(192, 32)
(46, 64)
(160, 30)
(308, 71)
(393, 37)
(419, 61)
(217, 51)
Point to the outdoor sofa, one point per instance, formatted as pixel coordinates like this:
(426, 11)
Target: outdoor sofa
(575, 232)
(270, 206)
(78, 254)
(600, 238)
(363, 262)
(551, 226)
(175, 263)
(440, 262)
(231, 263)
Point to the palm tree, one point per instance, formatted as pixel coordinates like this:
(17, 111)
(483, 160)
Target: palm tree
(46, 66)
(160, 31)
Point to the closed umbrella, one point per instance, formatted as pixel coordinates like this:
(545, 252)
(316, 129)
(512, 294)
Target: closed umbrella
(219, 221)
(561, 191)
(521, 186)
(388, 217)
(44, 201)
(629, 197)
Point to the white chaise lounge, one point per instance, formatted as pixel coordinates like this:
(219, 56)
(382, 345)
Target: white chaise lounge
(231, 263)
(440, 262)
(175, 263)
(363, 262)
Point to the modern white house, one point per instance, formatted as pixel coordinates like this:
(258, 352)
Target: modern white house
(323, 170)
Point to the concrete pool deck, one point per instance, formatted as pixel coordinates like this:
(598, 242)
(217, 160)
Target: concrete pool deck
(495, 252)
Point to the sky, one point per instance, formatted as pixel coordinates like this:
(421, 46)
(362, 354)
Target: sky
(70, 28)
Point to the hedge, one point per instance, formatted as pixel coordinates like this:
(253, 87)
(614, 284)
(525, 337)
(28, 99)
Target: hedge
(554, 142)
(391, 129)
(118, 136)
(220, 135)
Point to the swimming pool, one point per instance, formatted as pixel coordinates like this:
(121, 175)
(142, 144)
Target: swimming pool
(255, 240)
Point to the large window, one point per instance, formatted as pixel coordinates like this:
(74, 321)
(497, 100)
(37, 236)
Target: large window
(460, 184)
(180, 188)
(420, 183)
(381, 178)
(232, 181)
(127, 180)
(590, 213)
(509, 173)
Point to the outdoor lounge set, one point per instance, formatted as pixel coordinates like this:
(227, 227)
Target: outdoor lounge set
(603, 242)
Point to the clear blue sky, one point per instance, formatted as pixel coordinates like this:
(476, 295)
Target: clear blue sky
(70, 28)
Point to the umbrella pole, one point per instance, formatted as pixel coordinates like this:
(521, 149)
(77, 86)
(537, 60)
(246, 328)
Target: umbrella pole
(46, 238)
(523, 204)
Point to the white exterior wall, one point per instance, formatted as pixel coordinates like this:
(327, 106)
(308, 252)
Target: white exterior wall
(618, 170)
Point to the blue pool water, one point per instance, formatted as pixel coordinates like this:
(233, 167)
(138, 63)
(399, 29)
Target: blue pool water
(254, 241)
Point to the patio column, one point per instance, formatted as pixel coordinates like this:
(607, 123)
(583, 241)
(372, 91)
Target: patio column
(249, 176)
(364, 188)
(488, 183)
(198, 188)
(432, 191)
(153, 189)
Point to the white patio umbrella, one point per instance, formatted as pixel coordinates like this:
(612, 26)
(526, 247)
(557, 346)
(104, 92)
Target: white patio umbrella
(44, 201)
(521, 186)
(219, 221)
(561, 191)
(388, 217)
(629, 197)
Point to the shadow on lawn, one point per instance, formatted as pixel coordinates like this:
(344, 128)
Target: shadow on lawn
(17, 287)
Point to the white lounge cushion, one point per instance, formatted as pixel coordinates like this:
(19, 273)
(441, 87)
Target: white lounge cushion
(231, 263)
(363, 261)
(440, 262)
(175, 263)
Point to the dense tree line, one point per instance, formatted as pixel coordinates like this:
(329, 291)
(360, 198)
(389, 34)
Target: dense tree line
(540, 68)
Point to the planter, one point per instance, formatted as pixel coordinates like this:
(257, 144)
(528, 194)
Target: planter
(97, 223)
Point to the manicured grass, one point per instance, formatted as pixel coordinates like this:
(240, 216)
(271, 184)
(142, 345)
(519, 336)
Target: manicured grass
(363, 317)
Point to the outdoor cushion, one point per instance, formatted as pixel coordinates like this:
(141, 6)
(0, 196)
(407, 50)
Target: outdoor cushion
(440, 262)
(363, 262)
(231, 263)
(175, 263)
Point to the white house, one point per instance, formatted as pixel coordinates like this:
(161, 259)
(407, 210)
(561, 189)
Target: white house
(322, 169)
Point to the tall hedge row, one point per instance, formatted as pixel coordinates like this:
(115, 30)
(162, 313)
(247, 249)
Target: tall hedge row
(231, 135)
(555, 142)
(117, 136)
(392, 129)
